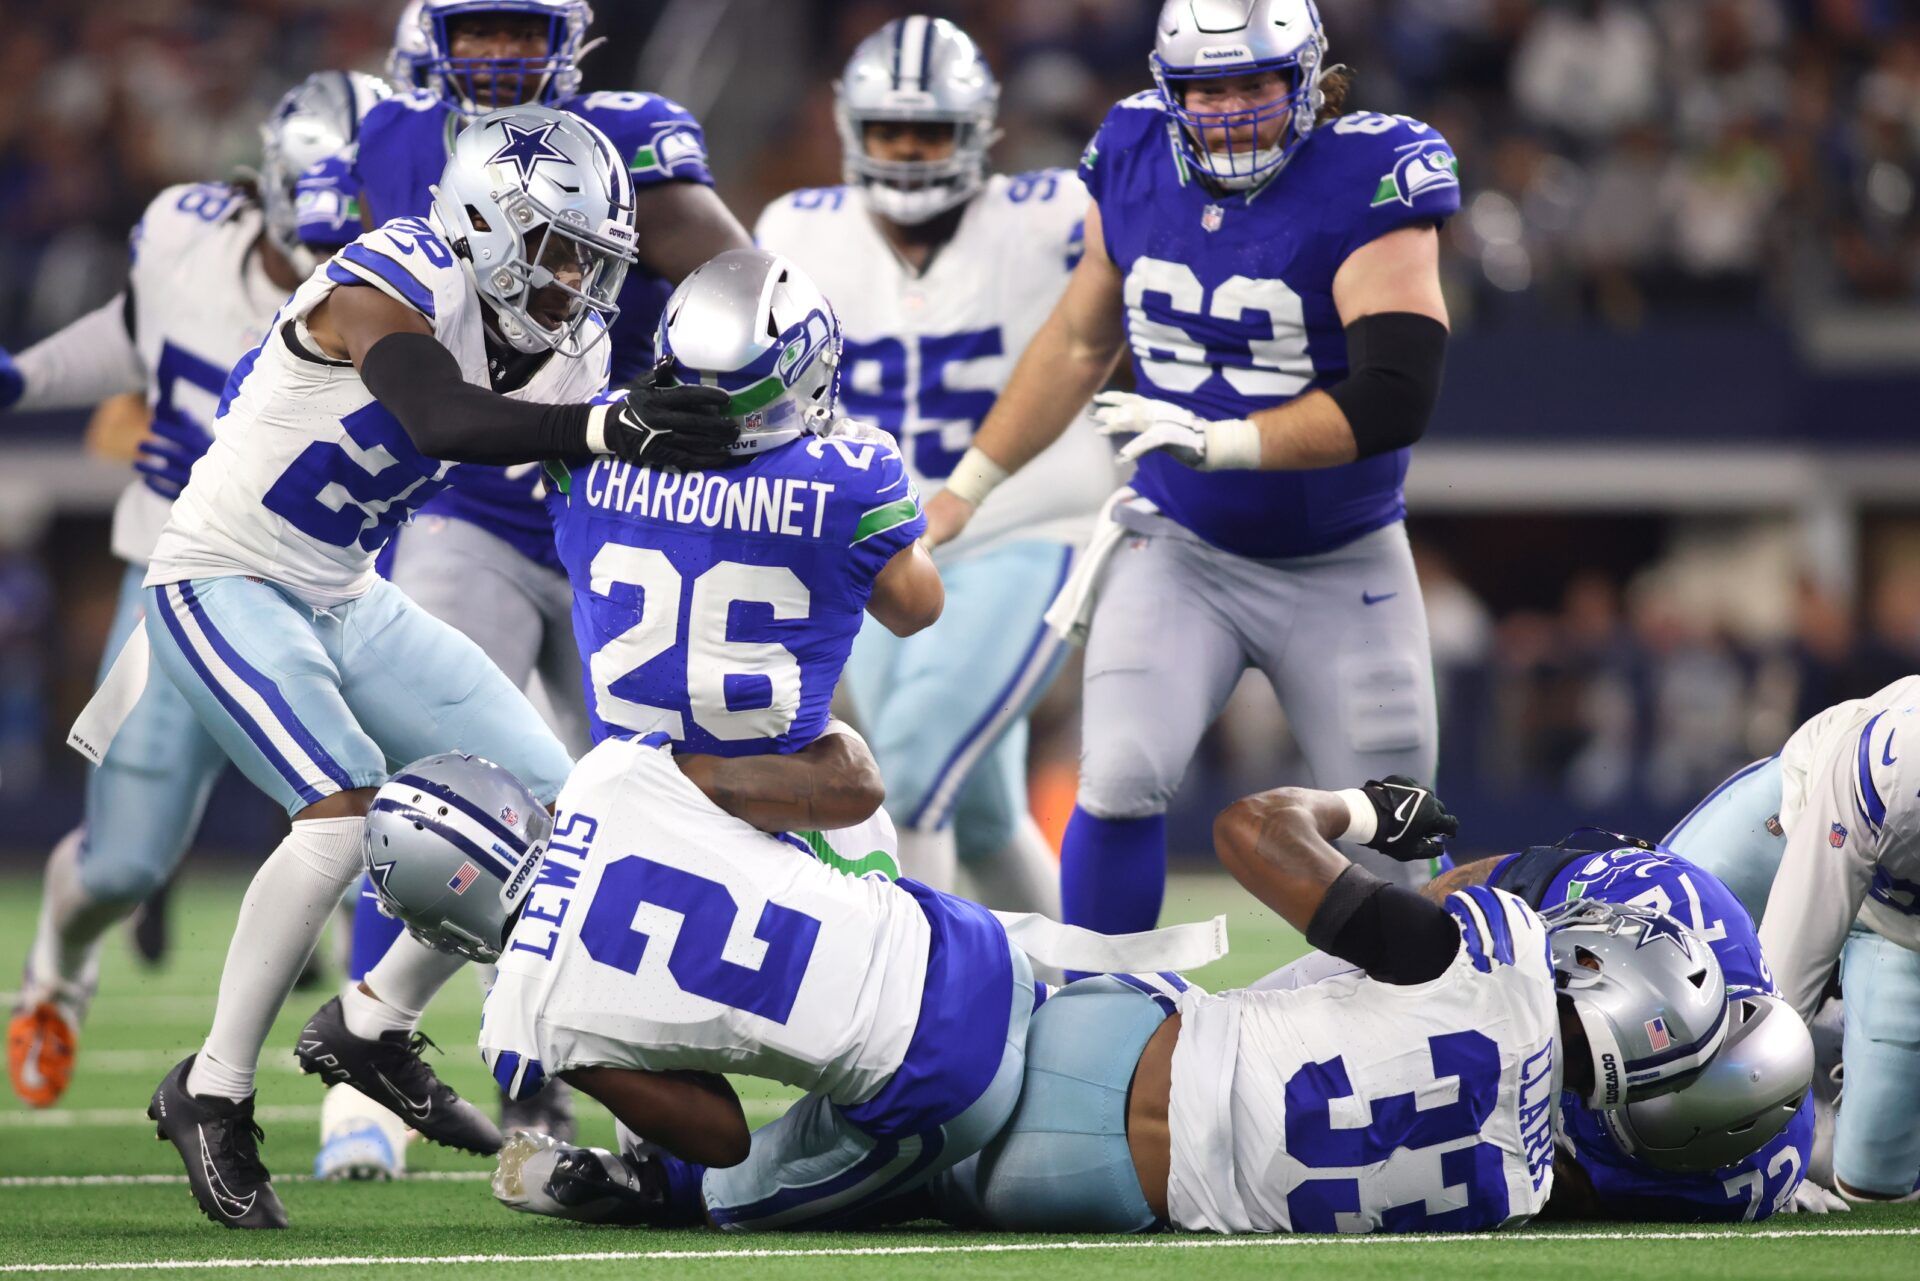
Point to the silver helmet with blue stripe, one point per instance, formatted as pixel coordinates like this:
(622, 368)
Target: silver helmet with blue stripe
(452, 845)
(409, 59)
(1648, 992)
(540, 207)
(752, 324)
(1214, 40)
(317, 119)
(917, 70)
(1748, 1093)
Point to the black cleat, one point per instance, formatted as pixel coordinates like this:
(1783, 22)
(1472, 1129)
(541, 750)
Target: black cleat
(549, 1111)
(390, 1071)
(150, 938)
(540, 1175)
(218, 1139)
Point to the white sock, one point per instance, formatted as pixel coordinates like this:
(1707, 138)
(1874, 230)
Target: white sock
(66, 946)
(285, 910)
(402, 983)
(930, 858)
(1021, 876)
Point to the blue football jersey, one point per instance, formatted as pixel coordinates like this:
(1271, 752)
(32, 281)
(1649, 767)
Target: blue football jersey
(1229, 305)
(402, 150)
(719, 607)
(1628, 1187)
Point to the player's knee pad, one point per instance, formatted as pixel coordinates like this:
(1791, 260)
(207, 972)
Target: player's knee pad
(120, 874)
(1126, 779)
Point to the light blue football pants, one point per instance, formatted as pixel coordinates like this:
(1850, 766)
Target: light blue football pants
(1876, 1138)
(945, 710)
(310, 702)
(145, 800)
(1062, 1163)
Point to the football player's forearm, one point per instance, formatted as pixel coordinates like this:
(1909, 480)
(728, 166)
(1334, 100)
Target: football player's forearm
(1305, 433)
(83, 364)
(694, 1115)
(419, 382)
(908, 595)
(1055, 377)
(1279, 845)
(1477, 872)
(1816, 894)
(831, 783)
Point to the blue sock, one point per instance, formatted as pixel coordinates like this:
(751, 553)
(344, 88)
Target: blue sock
(1113, 872)
(373, 933)
(683, 1189)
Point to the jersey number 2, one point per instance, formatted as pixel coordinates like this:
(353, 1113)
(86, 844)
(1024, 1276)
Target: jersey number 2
(707, 911)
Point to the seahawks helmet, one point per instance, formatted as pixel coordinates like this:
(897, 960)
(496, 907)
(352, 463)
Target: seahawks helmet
(316, 119)
(407, 61)
(1211, 39)
(750, 323)
(548, 79)
(1746, 1095)
(535, 200)
(1648, 992)
(917, 69)
(452, 844)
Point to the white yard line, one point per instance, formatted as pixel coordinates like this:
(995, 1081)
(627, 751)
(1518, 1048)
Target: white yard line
(164, 1180)
(895, 1251)
(67, 1118)
(162, 1061)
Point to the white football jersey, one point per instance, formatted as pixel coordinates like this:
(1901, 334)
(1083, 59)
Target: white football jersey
(1351, 1105)
(1850, 807)
(201, 301)
(309, 475)
(662, 933)
(927, 353)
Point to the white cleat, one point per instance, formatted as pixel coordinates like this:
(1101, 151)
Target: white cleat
(360, 1141)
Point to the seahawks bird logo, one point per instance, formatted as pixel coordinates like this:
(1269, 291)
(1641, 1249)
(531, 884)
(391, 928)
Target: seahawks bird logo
(1423, 166)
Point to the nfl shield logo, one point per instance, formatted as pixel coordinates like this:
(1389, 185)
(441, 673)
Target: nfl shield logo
(1838, 836)
(1657, 1036)
(509, 815)
(1210, 218)
(463, 878)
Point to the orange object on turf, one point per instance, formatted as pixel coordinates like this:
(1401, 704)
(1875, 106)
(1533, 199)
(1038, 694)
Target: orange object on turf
(40, 1050)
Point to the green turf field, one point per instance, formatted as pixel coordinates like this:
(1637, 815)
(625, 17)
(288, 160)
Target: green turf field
(86, 1187)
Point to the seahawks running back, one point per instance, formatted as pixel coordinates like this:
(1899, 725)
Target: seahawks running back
(941, 271)
(211, 263)
(718, 607)
(1732, 1146)
(1273, 267)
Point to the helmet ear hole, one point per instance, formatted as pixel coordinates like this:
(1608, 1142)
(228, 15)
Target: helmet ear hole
(478, 220)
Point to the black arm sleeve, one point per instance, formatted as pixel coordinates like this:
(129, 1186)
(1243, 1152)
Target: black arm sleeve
(1387, 930)
(447, 417)
(1396, 359)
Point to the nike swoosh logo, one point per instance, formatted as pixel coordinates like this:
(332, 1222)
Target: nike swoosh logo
(226, 1200)
(1368, 598)
(1886, 753)
(1400, 810)
(417, 1109)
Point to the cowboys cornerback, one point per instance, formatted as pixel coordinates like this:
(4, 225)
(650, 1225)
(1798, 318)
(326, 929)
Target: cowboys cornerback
(477, 335)
(1272, 265)
(211, 263)
(941, 272)
(1736, 1143)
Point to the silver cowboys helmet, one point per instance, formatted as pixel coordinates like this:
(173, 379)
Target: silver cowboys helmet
(407, 61)
(452, 845)
(313, 121)
(552, 77)
(540, 207)
(917, 69)
(1746, 1095)
(1648, 992)
(1212, 39)
(750, 323)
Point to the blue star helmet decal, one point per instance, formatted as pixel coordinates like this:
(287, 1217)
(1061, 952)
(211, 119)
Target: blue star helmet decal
(526, 148)
(1663, 926)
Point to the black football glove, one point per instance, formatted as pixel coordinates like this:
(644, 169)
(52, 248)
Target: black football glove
(1411, 823)
(685, 428)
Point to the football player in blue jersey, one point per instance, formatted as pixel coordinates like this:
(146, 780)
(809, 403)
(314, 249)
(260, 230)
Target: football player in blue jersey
(1735, 1144)
(483, 558)
(1273, 266)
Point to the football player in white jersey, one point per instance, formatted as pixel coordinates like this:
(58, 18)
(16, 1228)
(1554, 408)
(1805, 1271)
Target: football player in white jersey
(211, 263)
(472, 336)
(941, 272)
(1821, 843)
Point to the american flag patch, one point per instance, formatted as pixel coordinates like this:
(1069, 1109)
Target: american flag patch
(468, 874)
(1657, 1034)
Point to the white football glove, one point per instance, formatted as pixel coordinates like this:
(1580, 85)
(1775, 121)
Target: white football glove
(1811, 1198)
(1230, 445)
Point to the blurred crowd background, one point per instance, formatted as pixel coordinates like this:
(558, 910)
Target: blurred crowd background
(1666, 511)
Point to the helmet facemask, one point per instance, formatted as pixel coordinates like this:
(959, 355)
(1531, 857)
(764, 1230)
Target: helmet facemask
(479, 85)
(558, 293)
(910, 192)
(1209, 140)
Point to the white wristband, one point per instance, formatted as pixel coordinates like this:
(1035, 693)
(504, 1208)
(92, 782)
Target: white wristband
(597, 428)
(1363, 821)
(1233, 445)
(975, 476)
